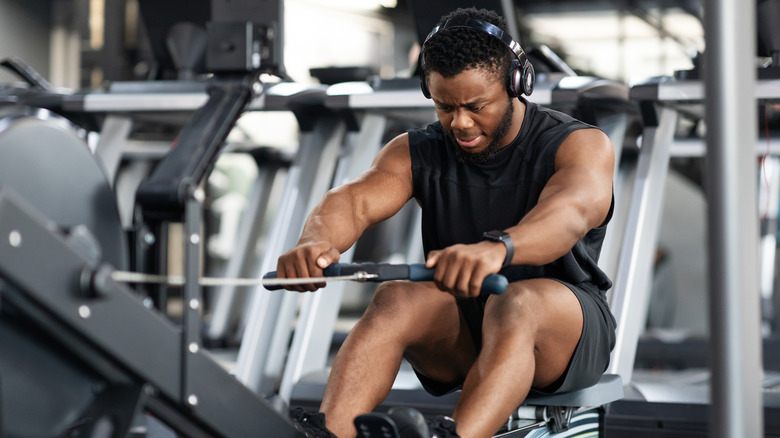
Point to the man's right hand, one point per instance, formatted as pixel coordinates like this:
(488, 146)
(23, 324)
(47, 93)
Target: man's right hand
(304, 261)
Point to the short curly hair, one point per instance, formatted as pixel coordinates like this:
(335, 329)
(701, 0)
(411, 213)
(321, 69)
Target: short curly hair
(452, 51)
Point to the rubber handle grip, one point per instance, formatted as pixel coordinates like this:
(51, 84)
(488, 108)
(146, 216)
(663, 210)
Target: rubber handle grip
(494, 284)
(271, 274)
(331, 271)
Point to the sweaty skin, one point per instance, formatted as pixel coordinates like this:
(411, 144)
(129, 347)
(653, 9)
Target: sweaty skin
(529, 332)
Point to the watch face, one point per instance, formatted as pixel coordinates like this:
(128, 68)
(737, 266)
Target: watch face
(495, 235)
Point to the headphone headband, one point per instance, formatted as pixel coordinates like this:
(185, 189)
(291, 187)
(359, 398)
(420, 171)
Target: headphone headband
(484, 26)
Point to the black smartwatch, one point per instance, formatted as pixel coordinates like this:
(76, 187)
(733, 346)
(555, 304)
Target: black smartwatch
(506, 239)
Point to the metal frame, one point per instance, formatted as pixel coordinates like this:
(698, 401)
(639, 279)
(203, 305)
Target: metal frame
(733, 265)
(77, 304)
(733, 235)
(630, 291)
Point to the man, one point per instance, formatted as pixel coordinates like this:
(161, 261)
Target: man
(538, 180)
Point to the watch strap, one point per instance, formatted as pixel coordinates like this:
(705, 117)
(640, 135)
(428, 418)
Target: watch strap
(506, 239)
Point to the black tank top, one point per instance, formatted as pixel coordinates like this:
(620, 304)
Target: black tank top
(461, 200)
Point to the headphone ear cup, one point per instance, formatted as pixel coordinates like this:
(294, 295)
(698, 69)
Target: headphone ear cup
(421, 68)
(514, 79)
(424, 86)
(528, 78)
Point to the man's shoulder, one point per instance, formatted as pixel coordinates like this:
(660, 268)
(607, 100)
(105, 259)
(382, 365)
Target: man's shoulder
(553, 117)
(428, 147)
(432, 132)
(426, 140)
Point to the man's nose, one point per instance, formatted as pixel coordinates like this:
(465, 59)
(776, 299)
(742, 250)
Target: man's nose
(461, 120)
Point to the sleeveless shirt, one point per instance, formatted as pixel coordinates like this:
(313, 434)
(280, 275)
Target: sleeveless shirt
(460, 199)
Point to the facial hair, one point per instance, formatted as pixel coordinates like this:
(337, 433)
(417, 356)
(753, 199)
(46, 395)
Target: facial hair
(491, 150)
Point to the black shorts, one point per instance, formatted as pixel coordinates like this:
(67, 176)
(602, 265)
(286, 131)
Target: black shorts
(590, 358)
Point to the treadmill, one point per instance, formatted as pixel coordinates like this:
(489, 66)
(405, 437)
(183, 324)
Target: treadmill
(669, 392)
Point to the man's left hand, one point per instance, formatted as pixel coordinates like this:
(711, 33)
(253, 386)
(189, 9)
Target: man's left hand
(460, 269)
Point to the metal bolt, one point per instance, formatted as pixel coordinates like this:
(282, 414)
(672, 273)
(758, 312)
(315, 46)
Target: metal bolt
(84, 312)
(199, 195)
(15, 238)
(148, 302)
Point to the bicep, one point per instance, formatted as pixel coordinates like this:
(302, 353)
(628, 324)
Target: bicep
(385, 187)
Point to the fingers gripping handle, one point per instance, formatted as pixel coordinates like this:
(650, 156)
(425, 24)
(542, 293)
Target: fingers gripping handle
(494, 284)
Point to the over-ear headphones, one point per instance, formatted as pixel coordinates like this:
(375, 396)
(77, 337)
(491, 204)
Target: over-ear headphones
(520, 77)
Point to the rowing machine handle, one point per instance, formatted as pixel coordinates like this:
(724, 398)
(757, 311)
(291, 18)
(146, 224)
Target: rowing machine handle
(494, 284)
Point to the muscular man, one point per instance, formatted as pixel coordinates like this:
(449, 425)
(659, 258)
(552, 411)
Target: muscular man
(493, 162)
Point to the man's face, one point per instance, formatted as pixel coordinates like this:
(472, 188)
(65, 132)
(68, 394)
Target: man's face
(475, 111)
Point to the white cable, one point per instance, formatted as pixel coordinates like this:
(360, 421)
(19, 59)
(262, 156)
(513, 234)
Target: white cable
(178, 280)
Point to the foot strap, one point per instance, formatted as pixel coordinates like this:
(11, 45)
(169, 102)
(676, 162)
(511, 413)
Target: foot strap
(376, 426)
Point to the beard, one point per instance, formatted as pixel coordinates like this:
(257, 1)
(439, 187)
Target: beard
(491, 150)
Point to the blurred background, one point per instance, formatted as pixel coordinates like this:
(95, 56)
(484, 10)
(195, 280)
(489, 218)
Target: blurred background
(80, 43)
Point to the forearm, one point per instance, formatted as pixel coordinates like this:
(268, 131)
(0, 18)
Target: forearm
(334, 220)
(549, 231)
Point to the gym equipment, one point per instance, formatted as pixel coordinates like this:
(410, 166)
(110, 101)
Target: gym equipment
(576, 413)
(82, 354)
(183, 34)
(47, 143)
(377, 272)
(125, 104)
(127, 359)
(669, 403)
(374, 272)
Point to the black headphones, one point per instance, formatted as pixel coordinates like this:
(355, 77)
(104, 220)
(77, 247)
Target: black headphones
(520, 77)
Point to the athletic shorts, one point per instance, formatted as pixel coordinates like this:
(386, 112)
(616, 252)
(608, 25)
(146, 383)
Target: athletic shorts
(590, 358)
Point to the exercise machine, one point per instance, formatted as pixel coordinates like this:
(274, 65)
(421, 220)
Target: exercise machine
(83, 354)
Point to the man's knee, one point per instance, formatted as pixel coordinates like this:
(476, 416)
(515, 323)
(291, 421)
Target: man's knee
(390, 296)
(519, 299)
(524, 303)
(394, 300)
